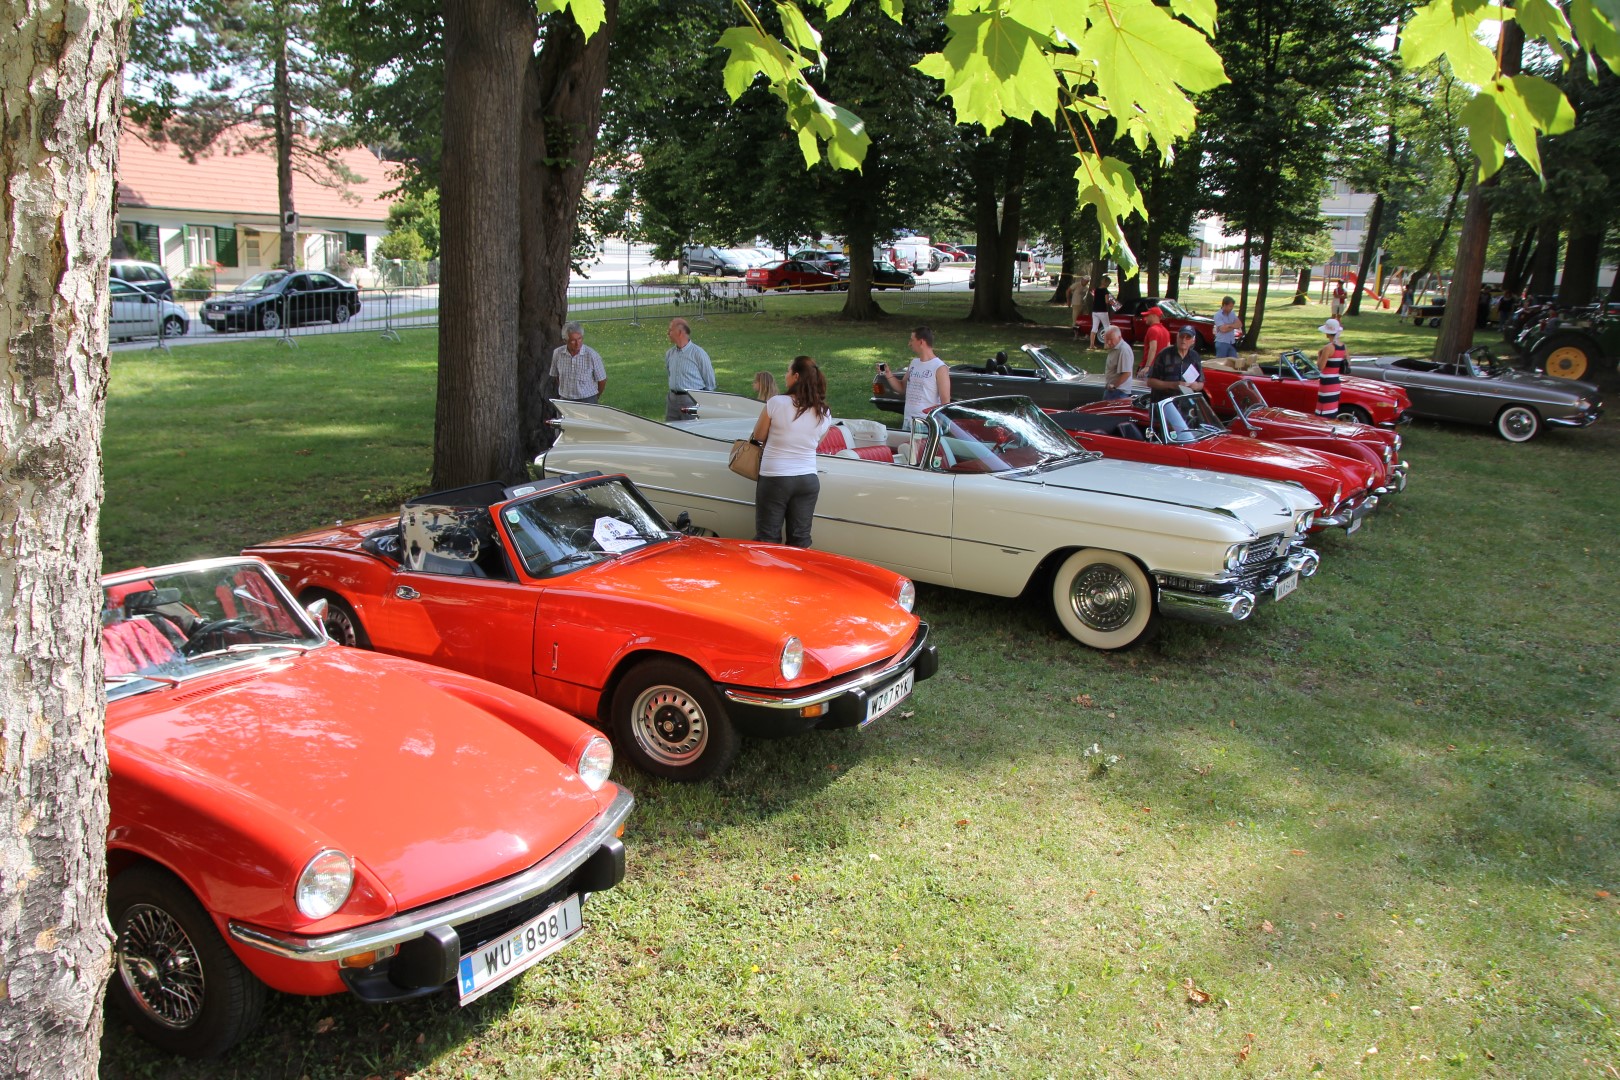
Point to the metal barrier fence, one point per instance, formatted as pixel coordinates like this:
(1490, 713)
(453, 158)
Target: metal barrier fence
(286, 317)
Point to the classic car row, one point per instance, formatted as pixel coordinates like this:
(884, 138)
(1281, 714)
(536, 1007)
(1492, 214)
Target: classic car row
(1384, 391)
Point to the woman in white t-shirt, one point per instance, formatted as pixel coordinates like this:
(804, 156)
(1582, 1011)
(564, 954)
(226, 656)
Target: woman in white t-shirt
(790, 427)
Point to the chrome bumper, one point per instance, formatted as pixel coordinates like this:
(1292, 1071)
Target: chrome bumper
(919, 649)
(539, 878)
(1228, 608)
(1586, 419)
(1348, 517)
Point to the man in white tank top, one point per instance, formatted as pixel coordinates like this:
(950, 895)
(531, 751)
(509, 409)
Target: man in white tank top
(927, 382)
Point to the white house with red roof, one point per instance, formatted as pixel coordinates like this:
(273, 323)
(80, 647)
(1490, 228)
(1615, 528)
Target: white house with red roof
(222, 209)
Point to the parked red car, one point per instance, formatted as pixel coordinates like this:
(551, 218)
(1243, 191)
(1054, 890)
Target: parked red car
(1133, 326)
(1289, 381)
(291, 815)
(1184, 431)
(793, 274)
(1377, 446)
(576, 591)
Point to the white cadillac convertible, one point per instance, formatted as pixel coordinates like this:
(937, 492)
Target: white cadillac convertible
(987, 495)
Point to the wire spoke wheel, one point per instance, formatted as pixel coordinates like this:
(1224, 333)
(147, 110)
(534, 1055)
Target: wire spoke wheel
(160, 967)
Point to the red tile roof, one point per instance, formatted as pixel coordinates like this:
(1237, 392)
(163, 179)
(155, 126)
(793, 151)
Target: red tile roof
(244, 182)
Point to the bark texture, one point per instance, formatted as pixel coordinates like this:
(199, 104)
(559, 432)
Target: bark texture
(487, 44)
(562, 112)
(60, 96)
(284, 142)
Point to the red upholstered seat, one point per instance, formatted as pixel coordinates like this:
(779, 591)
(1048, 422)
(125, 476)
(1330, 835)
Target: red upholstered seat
(876, 453)
(134, 645)
(832, 442)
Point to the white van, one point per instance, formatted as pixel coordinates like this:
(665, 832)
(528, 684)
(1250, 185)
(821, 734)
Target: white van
(915, 252)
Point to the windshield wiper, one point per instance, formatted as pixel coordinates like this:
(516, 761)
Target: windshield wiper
(1052, 461)
(574, 556)
(124, 680)
(252, 646)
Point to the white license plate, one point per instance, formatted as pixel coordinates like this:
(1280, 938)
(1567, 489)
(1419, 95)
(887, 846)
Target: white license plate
(519, 950)
(1285, 586)
(889, 697)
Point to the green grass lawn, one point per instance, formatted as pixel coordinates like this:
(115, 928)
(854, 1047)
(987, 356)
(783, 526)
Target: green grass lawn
(1372, 832)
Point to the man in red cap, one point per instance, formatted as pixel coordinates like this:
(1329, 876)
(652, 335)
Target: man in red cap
(1156, 337)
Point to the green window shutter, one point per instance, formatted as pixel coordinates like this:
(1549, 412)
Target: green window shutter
(225, 246)
(148, 235)
(354, 241)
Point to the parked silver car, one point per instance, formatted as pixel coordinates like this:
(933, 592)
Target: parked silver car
(1481, 389)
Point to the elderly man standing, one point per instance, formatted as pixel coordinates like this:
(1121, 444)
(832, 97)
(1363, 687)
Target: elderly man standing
(577, 367)
(689, 369)
(1121, 361)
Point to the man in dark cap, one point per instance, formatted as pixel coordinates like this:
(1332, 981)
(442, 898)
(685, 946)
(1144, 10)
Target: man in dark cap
(1178, 370)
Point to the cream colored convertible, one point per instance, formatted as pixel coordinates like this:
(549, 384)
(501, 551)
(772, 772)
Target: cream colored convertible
(987, 495)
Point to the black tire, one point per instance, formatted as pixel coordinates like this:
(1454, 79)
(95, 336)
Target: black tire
(1435, 322)
(1103, 599)
(1567, 355)
(1518, 423)
(1355, 414)
(670, 722)
(174, 326)
(342, 624)
(174, 978)
(340, 314)
(269, 319)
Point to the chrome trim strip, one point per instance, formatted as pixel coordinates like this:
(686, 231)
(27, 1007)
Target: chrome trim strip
(766, 699)
(544, 875)
(1201, 607)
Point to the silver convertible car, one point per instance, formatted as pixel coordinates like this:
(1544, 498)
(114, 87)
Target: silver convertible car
(987, 495)
(1035, 371)
(1479, 389)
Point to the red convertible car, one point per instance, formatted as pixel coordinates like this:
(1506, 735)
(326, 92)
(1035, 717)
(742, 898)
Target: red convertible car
(1132, 326)
(793, 274)
(1290, 382)
(1184, 431)
(291, 815)
(1377, 446)
(576, 591)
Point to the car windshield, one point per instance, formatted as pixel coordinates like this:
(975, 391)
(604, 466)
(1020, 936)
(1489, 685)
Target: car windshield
(1174, 310)
(996, 435)
(1292, 364)
(161, 628)
(562, 530)
(261, 282)
(1185, 419)
(1056, 367)
(1246, 396)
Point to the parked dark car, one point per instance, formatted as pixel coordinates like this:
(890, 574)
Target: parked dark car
(277, 298)
(1043, 376)
(145, 276)
(1480, 389)
(885, 276)
(711, 262)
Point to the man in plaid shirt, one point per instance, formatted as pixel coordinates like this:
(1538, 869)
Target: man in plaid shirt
(577, 367)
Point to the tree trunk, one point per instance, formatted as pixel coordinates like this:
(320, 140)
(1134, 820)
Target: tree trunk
(1243, 293)
(59, 124)
(1583, 255)
(987, 228)
(281, 107)
(859, 303)
(487, 44)
(562, 111)
(1375, 225)
(1433, 254)
(1302, 288)
(1172, 287)
(1012, 219)
(998, 233)
(1252, 337)
(1544, 265)
(1518, 259)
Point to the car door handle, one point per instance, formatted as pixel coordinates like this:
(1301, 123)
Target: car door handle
(405, 592)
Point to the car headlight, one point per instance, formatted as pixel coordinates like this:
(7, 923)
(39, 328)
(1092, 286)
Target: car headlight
(792, 658)
(1582, 404)
(325, 883)
(1397, 444)
(1389, 455)
(1234, 555)
(595, 762)
(1338, 496)
(1306, 520)
(906, 594)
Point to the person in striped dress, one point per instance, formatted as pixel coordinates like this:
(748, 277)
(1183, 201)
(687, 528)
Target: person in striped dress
(1332, 360)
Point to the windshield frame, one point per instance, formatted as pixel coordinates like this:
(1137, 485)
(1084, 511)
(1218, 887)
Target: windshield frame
(1051, 366)
(1167, 410)
(543, 529)
(955, 447)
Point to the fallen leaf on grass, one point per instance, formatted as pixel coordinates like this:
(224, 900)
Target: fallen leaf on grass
(1603, 894)
(1266, 927)
(1090, 893)
(1195, 995)
(1084, 701)
(421, 1038)
(324, 1024)
(1248, 1045)
(303, 453)
(833, 767)
(961, 823)
(1299, 851)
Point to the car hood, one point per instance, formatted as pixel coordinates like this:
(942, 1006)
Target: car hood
(431, 793)
(1263, 505)
(1324, 469)
(753, 596)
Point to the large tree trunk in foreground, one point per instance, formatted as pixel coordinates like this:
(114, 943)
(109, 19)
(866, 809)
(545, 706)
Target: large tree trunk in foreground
(59, 125)
(487, 44)
(562, 111)
(998, 238)
(1583, 254)
(1544, 264)
(859, 303)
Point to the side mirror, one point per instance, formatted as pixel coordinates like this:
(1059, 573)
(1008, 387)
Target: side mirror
(317, 613)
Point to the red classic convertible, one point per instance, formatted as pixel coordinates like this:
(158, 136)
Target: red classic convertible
(1290, 382)
(292, 815)
(576, 591)
(1185, 431)
(1132, 325)
(1377, 446)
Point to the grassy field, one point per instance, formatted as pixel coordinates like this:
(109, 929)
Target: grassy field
(1372, 832)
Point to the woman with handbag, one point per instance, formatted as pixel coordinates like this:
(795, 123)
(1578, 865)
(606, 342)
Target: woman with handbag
(790, 427)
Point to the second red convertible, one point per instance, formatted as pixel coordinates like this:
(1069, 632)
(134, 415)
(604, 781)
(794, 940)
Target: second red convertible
(1185, 431)
(576, 591)
(1346, 438)
(1290, 381)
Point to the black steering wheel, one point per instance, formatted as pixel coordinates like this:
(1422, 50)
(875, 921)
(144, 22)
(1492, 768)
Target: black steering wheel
(215, 634)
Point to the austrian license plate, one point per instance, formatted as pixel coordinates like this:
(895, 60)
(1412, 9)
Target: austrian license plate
(890, 696)
(1285, 586)
(519, 950)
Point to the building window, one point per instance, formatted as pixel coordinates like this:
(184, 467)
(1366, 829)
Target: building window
(355, 241)
(199, 245)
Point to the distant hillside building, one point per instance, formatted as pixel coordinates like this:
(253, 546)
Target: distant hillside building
(223, 209)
